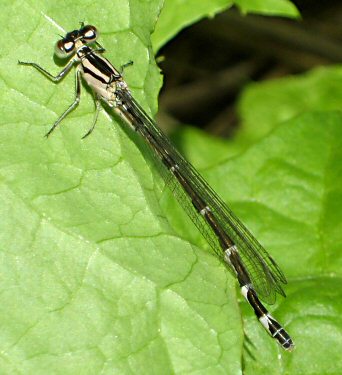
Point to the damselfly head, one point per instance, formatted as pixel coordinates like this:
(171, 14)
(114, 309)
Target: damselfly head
(67, 46)
(89, 33)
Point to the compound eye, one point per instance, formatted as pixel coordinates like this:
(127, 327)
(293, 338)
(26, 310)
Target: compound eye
(89, 33)
(64, 48)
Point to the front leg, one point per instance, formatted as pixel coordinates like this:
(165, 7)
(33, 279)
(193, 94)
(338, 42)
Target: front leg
(47, 74)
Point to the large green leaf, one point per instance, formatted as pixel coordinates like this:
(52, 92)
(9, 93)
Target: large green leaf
(300, 210)
(288, 189)
(93, 277)
(301, 171)
(177, 14)
(265, 104)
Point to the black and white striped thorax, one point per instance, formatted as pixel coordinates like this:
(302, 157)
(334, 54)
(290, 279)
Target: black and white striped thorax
(97, 66)
(100, 74)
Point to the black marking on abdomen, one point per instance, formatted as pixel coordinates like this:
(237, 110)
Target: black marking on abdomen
(254, 301)
(272, 326)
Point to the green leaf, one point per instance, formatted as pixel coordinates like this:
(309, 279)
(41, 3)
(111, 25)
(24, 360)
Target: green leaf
(263, 105)
(292, 177)
(288, 189)
(283, 8)
(93, 277)
(178, 14)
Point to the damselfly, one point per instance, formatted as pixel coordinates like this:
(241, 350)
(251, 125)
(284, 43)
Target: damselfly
(257, 273)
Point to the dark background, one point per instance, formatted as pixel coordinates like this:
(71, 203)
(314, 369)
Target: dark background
(207, 65)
